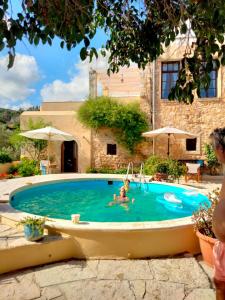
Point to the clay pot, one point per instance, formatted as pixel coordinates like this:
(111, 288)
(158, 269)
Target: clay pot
(160, 176)
(206, 246)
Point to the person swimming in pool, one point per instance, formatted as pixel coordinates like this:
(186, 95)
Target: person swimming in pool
(126, 184)
(122, 198)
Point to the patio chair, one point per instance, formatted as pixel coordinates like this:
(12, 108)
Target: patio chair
(44, 167)
(193, 172)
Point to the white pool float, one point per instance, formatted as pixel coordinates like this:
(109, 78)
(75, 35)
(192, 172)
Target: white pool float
(170, 197)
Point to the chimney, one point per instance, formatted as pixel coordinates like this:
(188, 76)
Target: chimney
(92, 84)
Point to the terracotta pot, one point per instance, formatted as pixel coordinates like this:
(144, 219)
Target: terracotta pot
(160, 176)
(206, 246)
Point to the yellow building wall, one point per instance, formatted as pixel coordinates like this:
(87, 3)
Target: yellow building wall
(61, 106)
(68, 122)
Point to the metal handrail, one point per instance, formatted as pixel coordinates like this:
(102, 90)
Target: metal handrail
(142, 175)
(130, 165)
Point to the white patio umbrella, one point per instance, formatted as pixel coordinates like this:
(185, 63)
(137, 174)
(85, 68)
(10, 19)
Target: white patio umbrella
(168, 131)
(49, 134)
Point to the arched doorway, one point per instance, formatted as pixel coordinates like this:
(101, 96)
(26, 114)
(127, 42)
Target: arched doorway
(69, 155)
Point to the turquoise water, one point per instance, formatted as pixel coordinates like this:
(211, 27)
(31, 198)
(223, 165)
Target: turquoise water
(90, 198)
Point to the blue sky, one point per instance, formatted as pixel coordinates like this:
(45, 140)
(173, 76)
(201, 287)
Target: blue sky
(44, 73)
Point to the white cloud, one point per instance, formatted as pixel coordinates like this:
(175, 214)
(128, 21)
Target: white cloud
(78, 86)
(16, 83)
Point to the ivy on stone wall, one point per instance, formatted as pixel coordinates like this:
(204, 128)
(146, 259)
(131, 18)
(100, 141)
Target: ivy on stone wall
(127, 122)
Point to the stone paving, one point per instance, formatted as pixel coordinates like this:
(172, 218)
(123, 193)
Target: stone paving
(153, 279)
(174, 278)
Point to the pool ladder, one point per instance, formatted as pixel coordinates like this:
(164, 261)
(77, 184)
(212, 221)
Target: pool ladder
(141, 177)
(130, 167)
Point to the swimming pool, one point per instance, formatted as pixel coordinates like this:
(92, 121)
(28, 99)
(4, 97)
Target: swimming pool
(108, 239)
(92, 199)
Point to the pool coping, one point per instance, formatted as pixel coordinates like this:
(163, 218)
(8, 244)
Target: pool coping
(7, 211)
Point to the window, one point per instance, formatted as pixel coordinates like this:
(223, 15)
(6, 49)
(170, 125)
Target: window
(169, 75)
(191, 144)
(111, 149)
(212, 90)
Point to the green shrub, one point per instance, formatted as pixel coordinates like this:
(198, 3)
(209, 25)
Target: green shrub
(13, 169)
(155, 164)
(150, 167)
(28, 168)
(176, 169)
(162, 167)
(128, 122)
(12, 152)
(107, 170)
(211, 158)
(91, 170)
(5, 157)
(120, 171)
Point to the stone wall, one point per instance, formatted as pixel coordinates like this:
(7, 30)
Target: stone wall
(200, 118)
(129, 85)
(102, 137)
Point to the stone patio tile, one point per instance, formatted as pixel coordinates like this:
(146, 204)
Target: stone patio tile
(66, 272)
(7, 291)
(4, 198)
(9, 232)
(180, 270)
(23, 288)
(202, 294)
(159, 290)
(51, 293)
(207, 269)
(124, 269)
(98, 290)
(4, 227)
(139, 288)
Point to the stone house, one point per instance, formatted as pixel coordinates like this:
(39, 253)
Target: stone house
(150, 89)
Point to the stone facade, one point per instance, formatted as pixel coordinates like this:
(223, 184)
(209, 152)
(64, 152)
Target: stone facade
(102, 137)
(134, 85)
(129, 85)
(200, 118)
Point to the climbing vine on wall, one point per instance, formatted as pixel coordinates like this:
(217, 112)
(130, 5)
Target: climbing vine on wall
(127, 122)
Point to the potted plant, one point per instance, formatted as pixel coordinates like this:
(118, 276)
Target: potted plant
(176, 169)
(162, 170)
(33, 228)
(202, 219)
(211, 159)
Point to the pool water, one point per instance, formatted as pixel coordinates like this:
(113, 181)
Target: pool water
(91, 198)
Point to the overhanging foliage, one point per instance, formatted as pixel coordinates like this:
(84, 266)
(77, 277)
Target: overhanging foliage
(127, 122)
(138, 31)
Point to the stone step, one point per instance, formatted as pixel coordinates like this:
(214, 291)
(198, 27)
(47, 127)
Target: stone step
(18, 253)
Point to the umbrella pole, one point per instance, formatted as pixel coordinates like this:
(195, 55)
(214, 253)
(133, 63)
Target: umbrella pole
(168, 146)
(48, 155)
